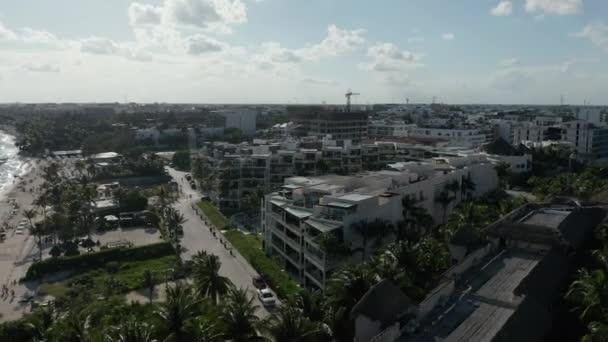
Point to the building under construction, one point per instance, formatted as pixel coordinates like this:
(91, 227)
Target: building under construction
(321, 121)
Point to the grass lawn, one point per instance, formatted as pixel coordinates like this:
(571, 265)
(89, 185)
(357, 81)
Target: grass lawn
(250, 247)
(124, 276)
(215, 216)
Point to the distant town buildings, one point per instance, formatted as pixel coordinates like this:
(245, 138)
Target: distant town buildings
(320, 121)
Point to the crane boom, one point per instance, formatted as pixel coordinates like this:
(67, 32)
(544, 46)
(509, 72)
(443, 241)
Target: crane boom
(348, 95)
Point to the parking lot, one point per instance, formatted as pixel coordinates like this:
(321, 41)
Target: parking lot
(138, 236)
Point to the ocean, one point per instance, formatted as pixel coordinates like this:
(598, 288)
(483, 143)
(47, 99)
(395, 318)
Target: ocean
(14, 166)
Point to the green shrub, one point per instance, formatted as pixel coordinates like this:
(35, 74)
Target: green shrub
(250, 248)
(213, 214)
(97, 260)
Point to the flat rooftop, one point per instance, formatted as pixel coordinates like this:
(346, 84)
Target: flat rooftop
(483, 312)
(355, 197)
(545, 217)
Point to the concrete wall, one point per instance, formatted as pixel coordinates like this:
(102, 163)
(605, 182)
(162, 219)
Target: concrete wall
(366, 329)
(436, 297)
(469, 261)
(390, 334)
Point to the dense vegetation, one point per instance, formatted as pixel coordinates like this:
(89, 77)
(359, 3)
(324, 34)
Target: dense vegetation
(88, 261)
(94, 133)
(588, 293)
(250, 248)
(181, 160)
(218, 219)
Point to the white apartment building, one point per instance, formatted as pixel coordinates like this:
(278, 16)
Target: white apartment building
(466, 137)
(590, 142)
(306, 211)
(388, 128)
(595, 115)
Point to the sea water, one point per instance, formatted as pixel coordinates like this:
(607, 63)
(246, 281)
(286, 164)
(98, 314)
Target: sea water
(14, 165)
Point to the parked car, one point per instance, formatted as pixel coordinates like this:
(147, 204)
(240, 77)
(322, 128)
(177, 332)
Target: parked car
(26, 298)
(193, 185)
(267, 298)
(19, 231)
(188, 176)
(259, 283)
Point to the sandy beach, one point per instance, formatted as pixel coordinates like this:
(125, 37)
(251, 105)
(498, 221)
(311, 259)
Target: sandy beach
(18, 250)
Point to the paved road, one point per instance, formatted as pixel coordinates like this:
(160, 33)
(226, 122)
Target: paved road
(198, 237)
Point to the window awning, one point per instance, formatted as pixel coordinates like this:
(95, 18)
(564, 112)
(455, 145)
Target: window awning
(299, 213)
(343, 205)
(324, 227)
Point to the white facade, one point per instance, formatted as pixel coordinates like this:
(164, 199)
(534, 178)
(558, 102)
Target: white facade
(457, 137)
(595, 115)
(528, 132)
(295, 218)
(388, 128)
(590, 143)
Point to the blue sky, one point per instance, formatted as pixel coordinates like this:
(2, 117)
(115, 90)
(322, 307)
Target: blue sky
(280, 51)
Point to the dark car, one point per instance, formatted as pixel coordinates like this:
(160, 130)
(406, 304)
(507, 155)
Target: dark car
(193, 185)
(259, 283)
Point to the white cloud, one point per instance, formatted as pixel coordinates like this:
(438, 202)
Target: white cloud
(503, 9)
(558, 7)
(318, 81)
(387, 57)
(338, 41)
(199, 44)
(144, 14)
(99, 46)
(596, 33)
(6, 34)
(273, 52)
(509, 62)
(448, 36)
(214, 15)
(45, 67)
(415, 39)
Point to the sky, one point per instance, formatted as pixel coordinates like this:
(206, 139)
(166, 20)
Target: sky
(304, 51)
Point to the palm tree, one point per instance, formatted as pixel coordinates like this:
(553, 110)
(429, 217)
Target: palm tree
(311, 304)
(149, 281)
(368, 231)
(29, 214)
(179, 307)
(41, 324)
(414, 218)
(432, 257)
(239, 318)
(453, 186)
(347, 287)
(597, 332)
(444, 199)
(131, 330)
(467, 186)
(203, 330)
(589, 293)
(287, 324)
(469, 215)
(502, 172)
(209, 283)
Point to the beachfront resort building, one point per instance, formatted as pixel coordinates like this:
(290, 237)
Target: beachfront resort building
(311, 222)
